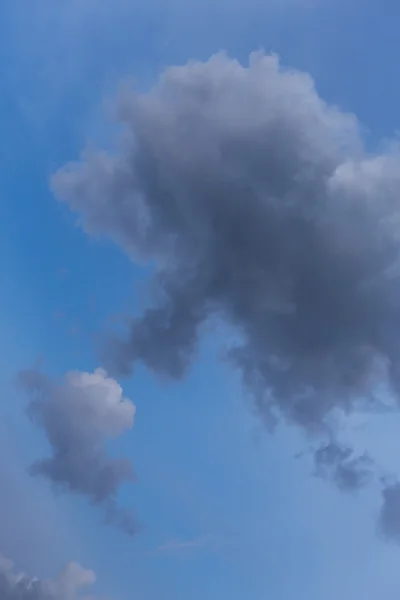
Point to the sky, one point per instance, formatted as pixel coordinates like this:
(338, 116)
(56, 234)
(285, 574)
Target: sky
(200, 295)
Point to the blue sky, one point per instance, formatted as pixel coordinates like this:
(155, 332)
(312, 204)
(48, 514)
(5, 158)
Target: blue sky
(226, 511)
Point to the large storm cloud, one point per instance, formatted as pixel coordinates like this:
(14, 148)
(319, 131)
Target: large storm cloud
(256, 202)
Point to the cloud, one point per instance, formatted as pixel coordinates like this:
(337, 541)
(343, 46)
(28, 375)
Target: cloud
(79, 414)
(257, 203)
(390, 513)
(349, 471)
(67, 586)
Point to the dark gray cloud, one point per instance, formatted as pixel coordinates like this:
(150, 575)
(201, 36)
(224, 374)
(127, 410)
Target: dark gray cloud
(390, 513)
(79, 414)
(256, 202)
(349, 471)
(69, 585)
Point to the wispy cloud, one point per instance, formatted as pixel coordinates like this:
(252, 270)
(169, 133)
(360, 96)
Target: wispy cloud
(177, 546)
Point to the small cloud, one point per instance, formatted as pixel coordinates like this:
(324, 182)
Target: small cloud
(80, 414)
(66, 586)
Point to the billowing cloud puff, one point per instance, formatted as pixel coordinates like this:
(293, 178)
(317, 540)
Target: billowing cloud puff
(79, 414)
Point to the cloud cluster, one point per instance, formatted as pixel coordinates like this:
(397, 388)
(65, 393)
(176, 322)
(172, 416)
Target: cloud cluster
(69, 584)
(79, 415)
(258, 204)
